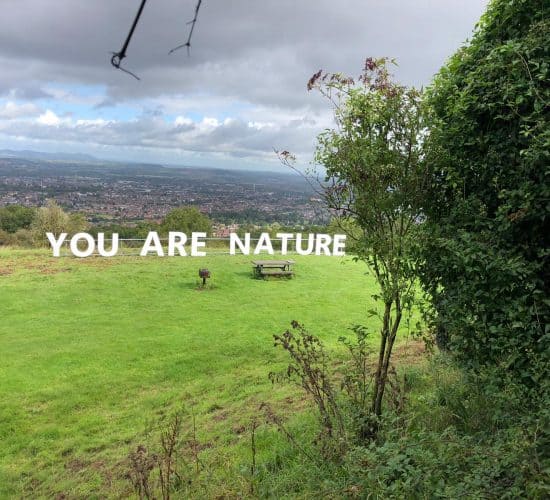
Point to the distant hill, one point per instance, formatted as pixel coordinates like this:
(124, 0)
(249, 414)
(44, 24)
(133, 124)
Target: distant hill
(41, 155)
(18, 163)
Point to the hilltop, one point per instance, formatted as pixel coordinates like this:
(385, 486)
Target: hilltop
(95, 349)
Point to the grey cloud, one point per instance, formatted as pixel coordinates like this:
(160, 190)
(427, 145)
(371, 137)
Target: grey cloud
(30, 93)
(249, 59)
(259, 51)
(232, 138)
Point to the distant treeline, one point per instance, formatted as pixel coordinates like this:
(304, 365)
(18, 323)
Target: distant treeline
(258, 217)
(27, 226)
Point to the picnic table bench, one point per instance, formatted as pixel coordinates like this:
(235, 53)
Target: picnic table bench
(263, 268)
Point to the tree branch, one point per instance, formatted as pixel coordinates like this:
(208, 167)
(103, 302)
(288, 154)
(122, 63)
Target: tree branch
(121, 54)
(192, 23)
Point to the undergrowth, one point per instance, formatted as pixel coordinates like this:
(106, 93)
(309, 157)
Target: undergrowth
(458, 436)
(445, 434)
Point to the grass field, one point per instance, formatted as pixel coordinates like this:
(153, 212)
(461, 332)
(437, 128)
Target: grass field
(94, 350)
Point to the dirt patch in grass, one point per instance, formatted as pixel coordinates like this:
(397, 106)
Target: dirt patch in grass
(76, 465)
(49, 265)
(241, 415)
(239, 429)
(51, 270)
(83, 467)
(410, 352)
(4, 271)
(220, 416)
(191, 446)
(98, 262)
(44, 264)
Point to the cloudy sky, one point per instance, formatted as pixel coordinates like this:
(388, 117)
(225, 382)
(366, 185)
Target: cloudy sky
(240, 94)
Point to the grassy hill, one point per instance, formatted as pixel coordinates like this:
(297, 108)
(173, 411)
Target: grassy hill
(96, 350)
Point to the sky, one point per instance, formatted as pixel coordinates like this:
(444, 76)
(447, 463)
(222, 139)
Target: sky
(238, 96)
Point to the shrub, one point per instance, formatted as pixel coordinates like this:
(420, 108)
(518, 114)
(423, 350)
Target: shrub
(487, 238)
(15, 217)
(5, 238)
(186, 220)
(23, 238)
(52, 218)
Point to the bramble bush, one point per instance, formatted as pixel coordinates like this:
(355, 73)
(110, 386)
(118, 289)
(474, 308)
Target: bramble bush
(459, 436)
(487, 234)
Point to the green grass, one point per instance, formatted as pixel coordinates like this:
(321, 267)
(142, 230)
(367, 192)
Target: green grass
(92, 350)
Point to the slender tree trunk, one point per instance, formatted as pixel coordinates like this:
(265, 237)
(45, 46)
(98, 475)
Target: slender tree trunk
(386, 347)
(378, 378)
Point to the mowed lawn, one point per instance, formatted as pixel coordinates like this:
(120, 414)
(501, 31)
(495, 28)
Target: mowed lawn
(92, 350)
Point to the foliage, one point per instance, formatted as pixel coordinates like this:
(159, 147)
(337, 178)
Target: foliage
(342, 395)
(464, 438)
(15, 217)
(52, 218)
(427, 464)
(309, 368)
(26, 227)
(174, 467)
(459, 437)
(186, 220)
(487, 237)
(357, 379)
(349, 227)
(21, 238)
(375, 173)
(138, 231)
(5, 237)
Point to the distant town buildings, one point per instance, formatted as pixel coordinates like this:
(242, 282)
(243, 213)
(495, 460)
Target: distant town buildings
(104, 196)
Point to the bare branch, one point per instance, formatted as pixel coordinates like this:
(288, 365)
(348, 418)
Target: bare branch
(117, 57)
(192, 23)
(121, 54)
(288, 159)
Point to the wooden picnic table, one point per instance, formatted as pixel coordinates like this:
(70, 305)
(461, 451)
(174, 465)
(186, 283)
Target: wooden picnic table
(273, 267)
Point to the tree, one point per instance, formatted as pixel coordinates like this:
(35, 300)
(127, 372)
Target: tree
(487, 235)
(186, 220)
(53, 219)
(375, 173)
(15, 217)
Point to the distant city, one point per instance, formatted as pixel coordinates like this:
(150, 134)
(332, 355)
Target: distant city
(129, 193)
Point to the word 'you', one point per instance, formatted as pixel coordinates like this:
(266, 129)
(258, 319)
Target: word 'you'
(85, 245)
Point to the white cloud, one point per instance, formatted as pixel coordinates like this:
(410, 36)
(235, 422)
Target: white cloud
(208, 122)
(260, 125)
(11, 110)
(182, 120)
(92, 122)
(49, 118)
(232, 137)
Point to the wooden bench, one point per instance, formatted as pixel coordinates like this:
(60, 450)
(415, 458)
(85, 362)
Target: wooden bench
(275, 272)
(265, 268)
